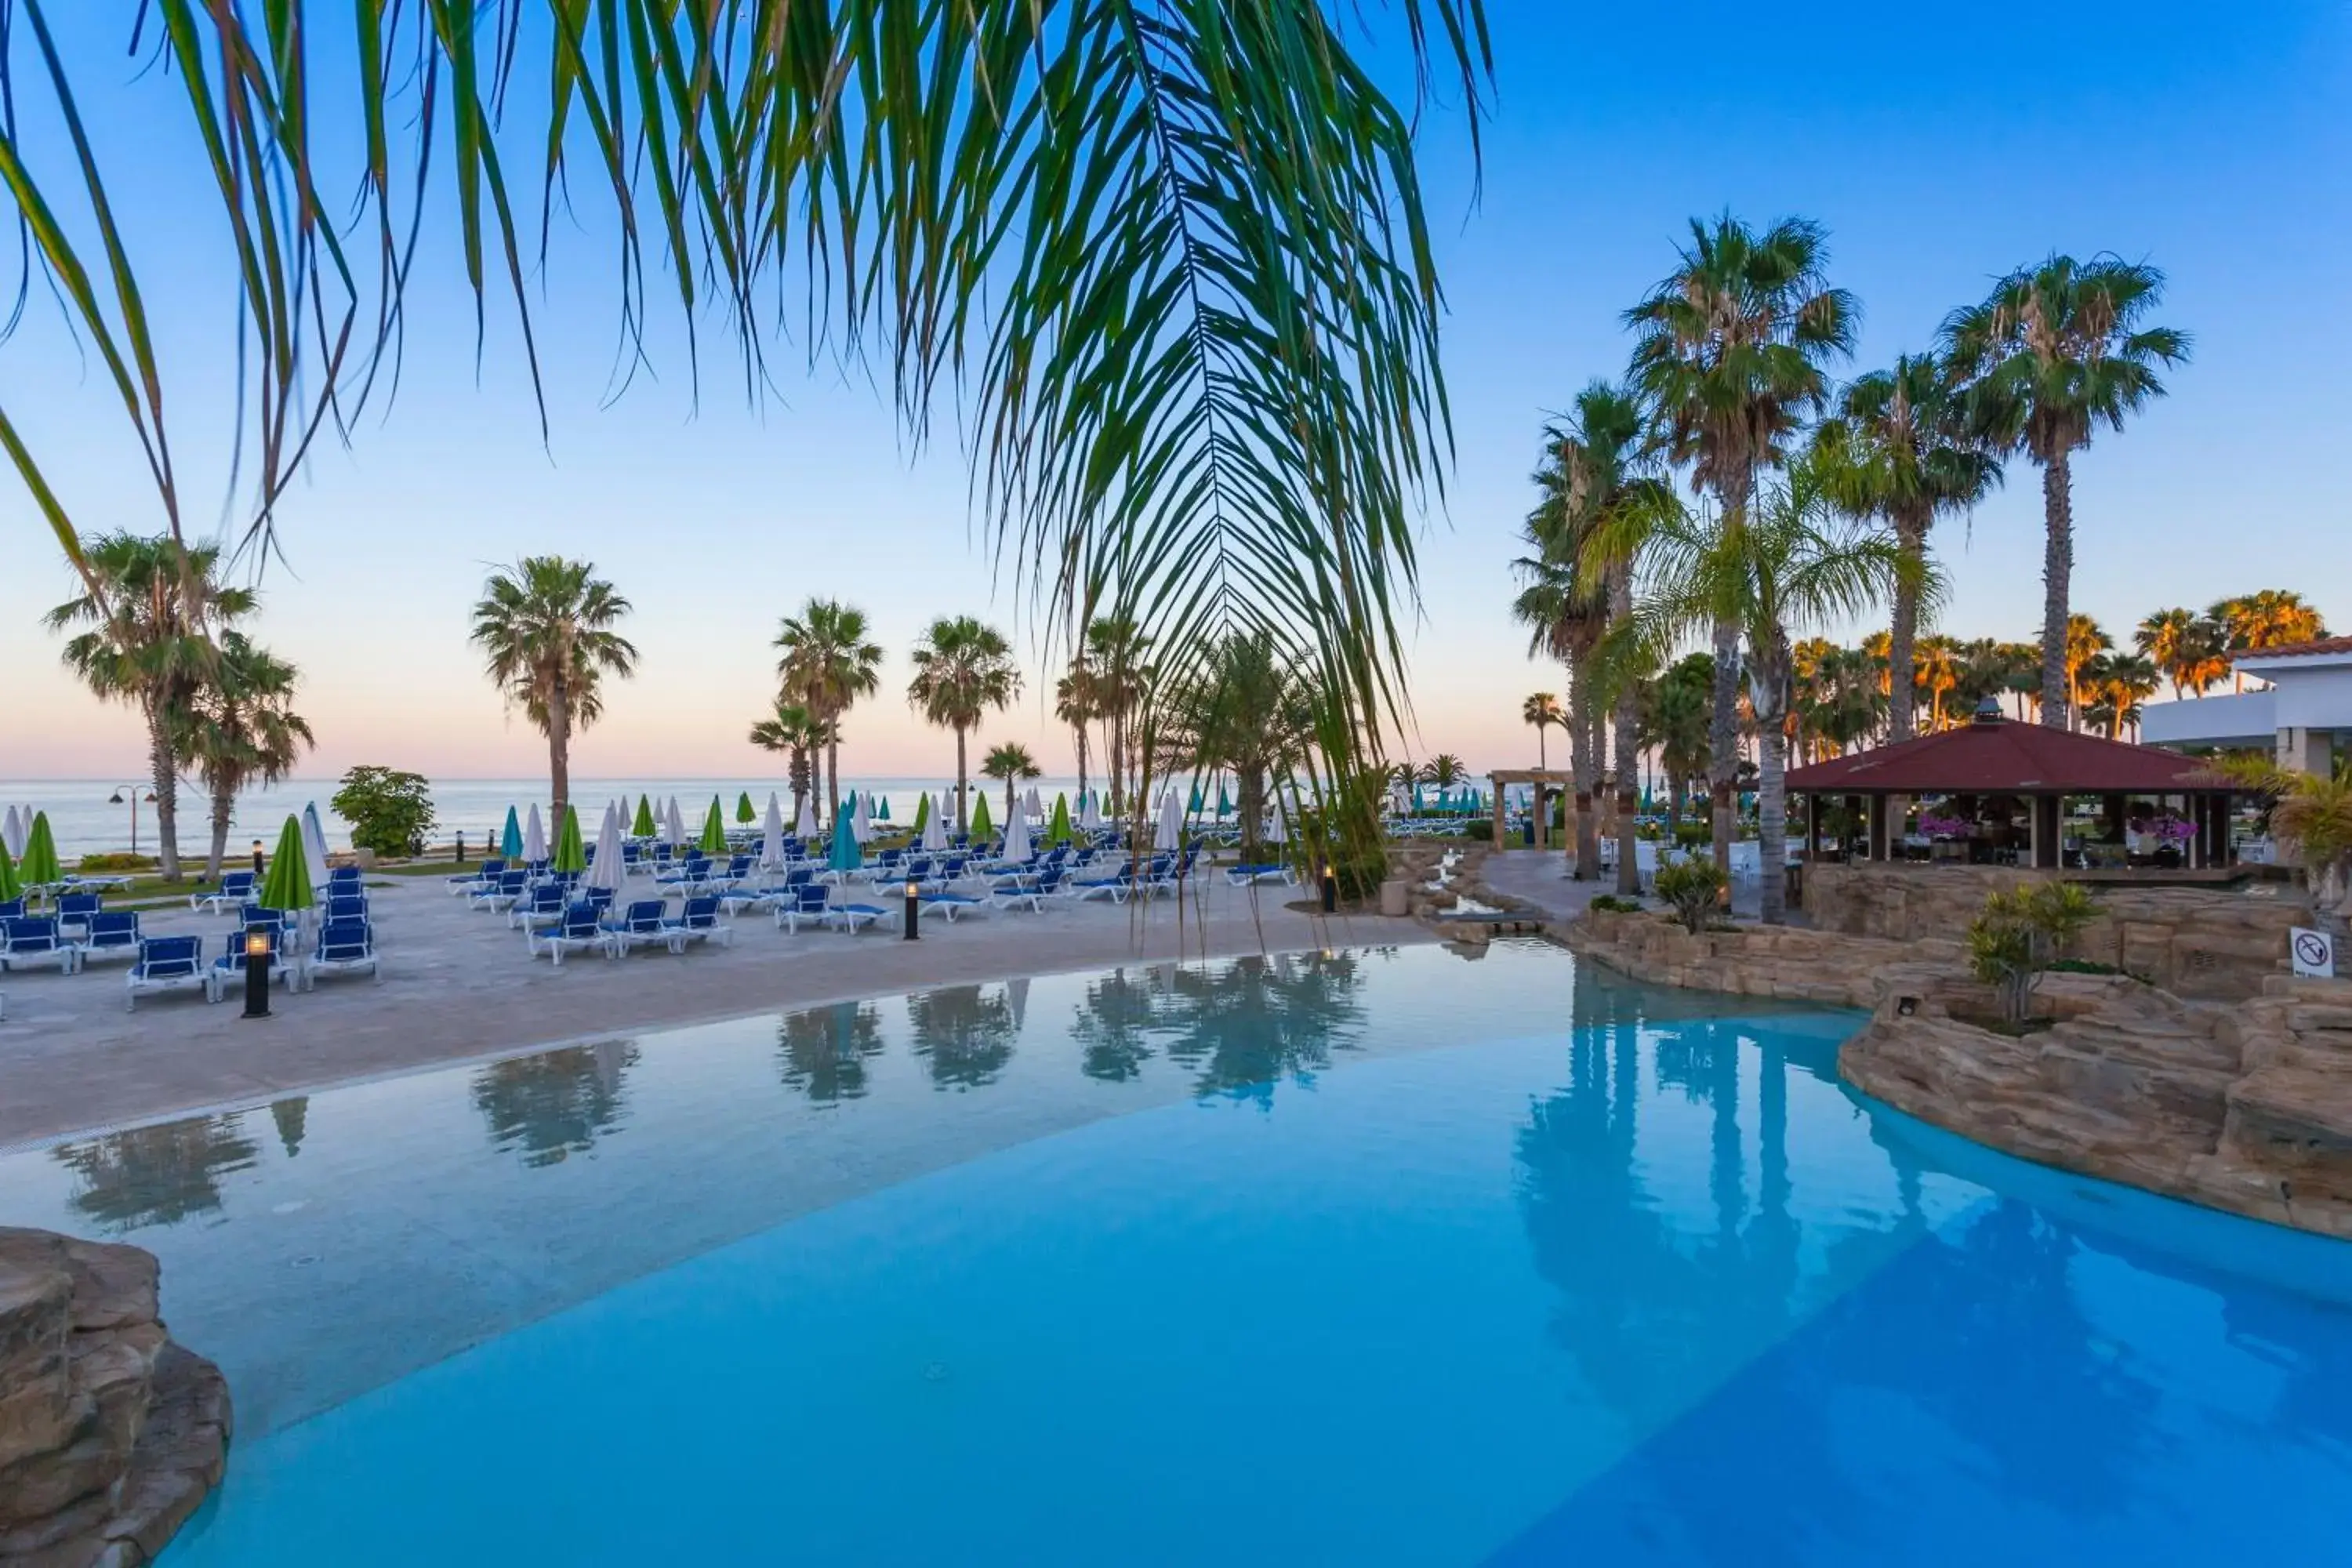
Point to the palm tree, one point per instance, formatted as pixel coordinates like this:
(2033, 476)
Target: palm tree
(962, 668)
(1012, 764)
(2085, 640)
(545, 629)
(1936, 663)
(1075, 700)
(1444, 771)
(1792, 562)
(151, 606)
(2116, 686)
(1675, 710)
(829, 662)
(796, 732)
(241, 729)
(1566, 612)
(1730, 353)
(1170, 263)
(1542, 709)
(2055, 351)
(2271, 617)
(1118, 654)
(1247, 711)
(2191, 649)
(1903, 450)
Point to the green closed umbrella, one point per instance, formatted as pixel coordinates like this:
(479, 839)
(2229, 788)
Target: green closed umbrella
(40, 867)
(510, 841)
(714, 831)
(1058, 830)
(10, 887)
(288, 885)
(922, 811)
(743, 812)
(980, 826)
(570, 854)
(845, 856)
(644, 827)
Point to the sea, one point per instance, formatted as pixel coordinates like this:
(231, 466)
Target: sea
(93, 817)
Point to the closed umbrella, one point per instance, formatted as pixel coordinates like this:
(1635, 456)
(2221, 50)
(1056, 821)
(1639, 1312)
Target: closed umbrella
(40, 867)
(673, 826)
(1090, 811)
(534, 836)
(743, 812)
(1280, 832)
(1170, 832)
(644, 827)
(882, 809)
(923, 812)
(287, 886)
(314, 846)
(1016, 835)
(935, 830)
(714, 831)
(510, 839)
(1034, 802)
(772, 835)
(11, 888)
(1192, 808)
(12, 833)
(1058, 830)
(571, 854)
(845, 856)
(605, 870)
(804, 825)
(861, 820)
(980, 826)
(1224, 801)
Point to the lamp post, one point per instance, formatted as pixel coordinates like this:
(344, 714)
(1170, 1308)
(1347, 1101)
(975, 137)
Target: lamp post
(118, 797)
(914, 890)
(256, 972)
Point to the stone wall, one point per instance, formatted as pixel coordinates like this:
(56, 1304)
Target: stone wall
(111, 1434)
(2218, 943)
(1787, 962)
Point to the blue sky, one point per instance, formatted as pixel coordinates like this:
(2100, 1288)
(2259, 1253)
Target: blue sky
(1938, 151)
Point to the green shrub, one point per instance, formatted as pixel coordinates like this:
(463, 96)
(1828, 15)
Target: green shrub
(390, 812)
(1691, 834)
(1610, 903)
(118, 862)
(1694, 886)
(2020, 934)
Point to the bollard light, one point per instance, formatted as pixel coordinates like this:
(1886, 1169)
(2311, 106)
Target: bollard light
(1330, 888)
(257, 859)
(461, 850)
(256, 972)
(914, 890)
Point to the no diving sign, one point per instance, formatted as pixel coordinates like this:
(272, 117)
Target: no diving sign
(2314, 952)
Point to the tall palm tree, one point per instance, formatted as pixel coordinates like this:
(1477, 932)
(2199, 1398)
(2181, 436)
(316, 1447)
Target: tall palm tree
(1076, 698)
(1129, 242)
(2055, 351)
(1541, 709)
(1566, 612)
(241, 729)
(1903, 448)
(962, 668)
(1012, 764)
(829, 662)
(150, 607)
(2085, 640)
(2113, 686)
(2270, 617)
(1676, 721)
(2191, 649)
(799, 735)
(1937, 660)
(1119, 654)
(1794, 562)
(545, 629)
(1730, 352)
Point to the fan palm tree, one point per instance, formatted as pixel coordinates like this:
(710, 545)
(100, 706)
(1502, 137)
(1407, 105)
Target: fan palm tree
(1075, 704)
(2057, 351)
(545, 629)
(1542, 709)
(1730, 353)
(1793, 561)
(241, 729)
(2115, 685)
(2085, 640)
(1903, 450)
(1170, 262)
(797, 732)
(150, 607)
(2187, 647)
(2271, 617)
(962, 668)
(828, 662)
(1012, 764)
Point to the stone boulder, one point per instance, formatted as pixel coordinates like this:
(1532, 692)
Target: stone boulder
(111, 1435)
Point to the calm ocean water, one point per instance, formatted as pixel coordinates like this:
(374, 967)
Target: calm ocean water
(86, 822)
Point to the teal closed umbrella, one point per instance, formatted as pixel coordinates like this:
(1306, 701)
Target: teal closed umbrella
(1192, 808)
(510, 841)
(882, 812)
(1224, 801)
(845, 856)
(288, 885)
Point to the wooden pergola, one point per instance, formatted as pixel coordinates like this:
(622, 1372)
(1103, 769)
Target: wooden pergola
(1545, 782)
(1992, 757)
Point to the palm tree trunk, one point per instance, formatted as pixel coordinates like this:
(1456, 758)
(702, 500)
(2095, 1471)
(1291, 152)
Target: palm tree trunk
(163, 765)
(1902, 631)
(1772, 790)
(1723, 742)
(1625, 745)
(963, 808)
(1080, 729)
(2057, 581)
(559, 751)
(1543, 756)
(224, 806)
(1583, 746)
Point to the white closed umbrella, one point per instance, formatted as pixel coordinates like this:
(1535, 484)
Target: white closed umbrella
(604, 866)
(673, 824)
(1090, 810)
(1170, 833)
(1036, 803)
(534, 836)
(1016, 837)
(1280, 832)
(861, 820)
(12, 834)
(934, 831)
(771, 834)
(806, 828)
(314, 847)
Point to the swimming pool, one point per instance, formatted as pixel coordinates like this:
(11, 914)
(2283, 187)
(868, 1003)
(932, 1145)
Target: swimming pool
(1364, 1258)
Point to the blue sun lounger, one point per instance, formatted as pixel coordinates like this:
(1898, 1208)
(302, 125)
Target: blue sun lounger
(166, 963)
(35, 939)
(576, 931)
(849, 916)
(111, 933)
(236, 888)
(699, 922)
(232, 963)
(955, 906)
(343, 946)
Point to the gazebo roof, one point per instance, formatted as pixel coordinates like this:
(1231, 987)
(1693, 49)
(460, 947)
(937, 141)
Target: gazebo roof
(1996, 756)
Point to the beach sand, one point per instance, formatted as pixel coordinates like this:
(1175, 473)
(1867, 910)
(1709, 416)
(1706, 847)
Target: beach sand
(458, 984)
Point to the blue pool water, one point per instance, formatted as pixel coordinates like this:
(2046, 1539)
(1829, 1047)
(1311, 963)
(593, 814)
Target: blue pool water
(1378, 1257)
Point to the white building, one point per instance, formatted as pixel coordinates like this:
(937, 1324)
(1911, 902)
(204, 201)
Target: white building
(2305, 715)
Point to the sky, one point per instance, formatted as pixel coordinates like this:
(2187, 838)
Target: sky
(2209, 140)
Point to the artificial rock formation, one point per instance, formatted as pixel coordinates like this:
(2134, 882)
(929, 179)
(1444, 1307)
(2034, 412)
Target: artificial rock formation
(111, 1435)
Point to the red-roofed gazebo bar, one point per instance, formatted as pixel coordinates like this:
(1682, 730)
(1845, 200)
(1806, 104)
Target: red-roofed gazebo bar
(2002, 769)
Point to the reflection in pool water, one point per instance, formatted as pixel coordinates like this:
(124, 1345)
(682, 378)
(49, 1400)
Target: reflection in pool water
(1119, 1268)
